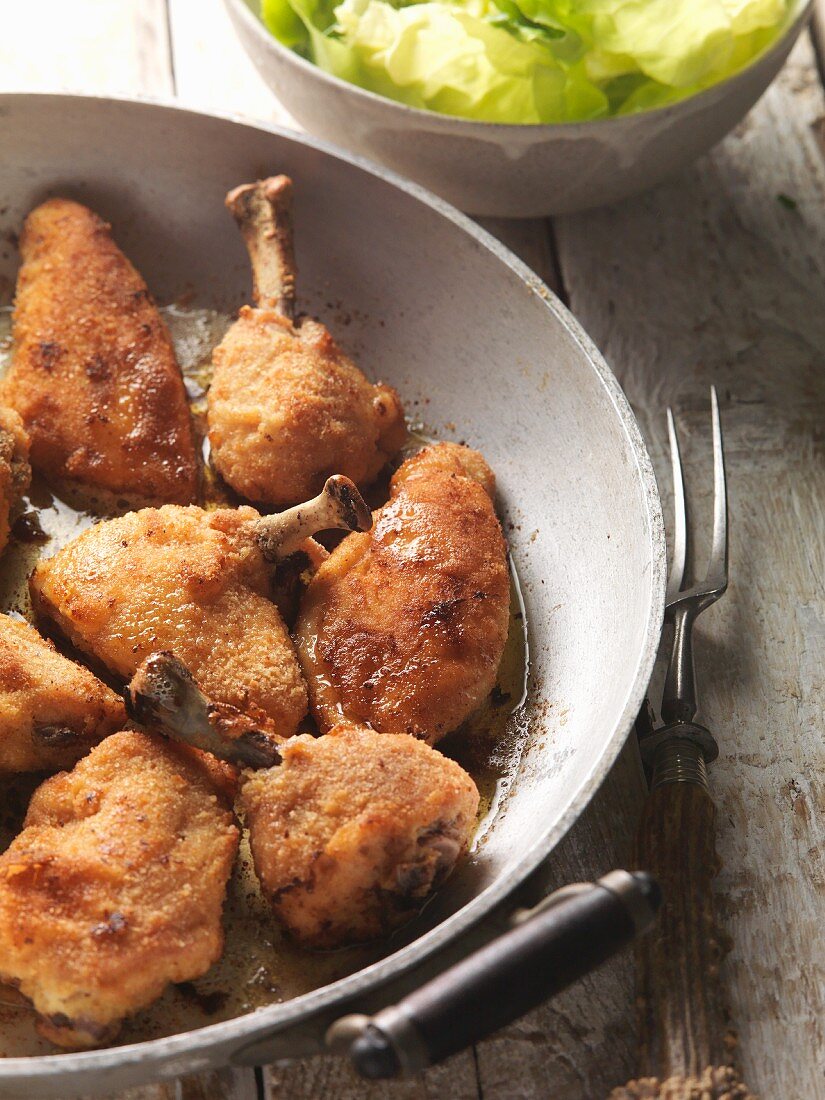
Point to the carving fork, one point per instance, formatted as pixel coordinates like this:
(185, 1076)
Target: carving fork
(686, 1043)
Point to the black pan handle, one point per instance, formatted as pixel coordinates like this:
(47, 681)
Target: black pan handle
(565, 936)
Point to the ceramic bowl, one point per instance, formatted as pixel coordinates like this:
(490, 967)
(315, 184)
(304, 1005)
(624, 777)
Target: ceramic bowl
(507, 170)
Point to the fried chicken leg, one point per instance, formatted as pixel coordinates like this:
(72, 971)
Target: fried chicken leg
(115, 887)
(403, 629)
(15, 472)
(355, 830)
(286, 406)
(196, 583)
(52, 711)
(350, 832)
(94, 374)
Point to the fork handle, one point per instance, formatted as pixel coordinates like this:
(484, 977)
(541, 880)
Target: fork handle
(685, 1039)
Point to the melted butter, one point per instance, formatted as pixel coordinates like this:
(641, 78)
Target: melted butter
(490, 743)
(259, 966)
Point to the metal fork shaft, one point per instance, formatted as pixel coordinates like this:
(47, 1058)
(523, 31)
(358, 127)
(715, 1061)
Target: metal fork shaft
(679, 701)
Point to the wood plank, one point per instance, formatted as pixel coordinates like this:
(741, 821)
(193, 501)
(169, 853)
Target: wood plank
(92, 46)
(719, 276)
(212, 70)
(224, 1084)
(333, 1077)
(579, 1044)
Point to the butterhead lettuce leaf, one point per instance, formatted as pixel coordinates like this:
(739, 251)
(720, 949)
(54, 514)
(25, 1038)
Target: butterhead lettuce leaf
(529, 61)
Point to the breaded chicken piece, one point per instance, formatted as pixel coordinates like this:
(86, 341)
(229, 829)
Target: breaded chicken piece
(195, 583)
(350, 832)
(52, 711)
(180, 579)
(94, 374)
(286, 407)
(15, 472)
(403, 628)
(354, 831)
(115, 887)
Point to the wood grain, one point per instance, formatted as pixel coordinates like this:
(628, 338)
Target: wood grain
(212, 71)
(686, 1049)
(715, 278)
(225, 1084)
(682, 1028)
(94, 46)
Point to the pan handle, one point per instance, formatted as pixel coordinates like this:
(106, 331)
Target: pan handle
(565, 936)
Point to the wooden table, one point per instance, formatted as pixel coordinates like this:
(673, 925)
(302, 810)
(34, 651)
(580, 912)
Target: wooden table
(717, 276)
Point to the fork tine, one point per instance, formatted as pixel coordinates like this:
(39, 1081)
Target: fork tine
(680, 535)
(718, 564)
(679, 703)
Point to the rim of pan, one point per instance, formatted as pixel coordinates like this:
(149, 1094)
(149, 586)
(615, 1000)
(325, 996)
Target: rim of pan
(241, 1031)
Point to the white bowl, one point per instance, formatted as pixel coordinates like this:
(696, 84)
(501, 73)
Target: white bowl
(508, 170)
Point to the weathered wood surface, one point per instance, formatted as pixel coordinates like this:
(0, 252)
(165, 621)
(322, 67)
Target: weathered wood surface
(211, 70)
(709, 278)
(93, 46)
(716, 278)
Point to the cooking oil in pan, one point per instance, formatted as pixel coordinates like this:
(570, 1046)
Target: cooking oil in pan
(259, 966)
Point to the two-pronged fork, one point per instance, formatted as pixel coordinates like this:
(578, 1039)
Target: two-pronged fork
(681, 745)
(685, 1038)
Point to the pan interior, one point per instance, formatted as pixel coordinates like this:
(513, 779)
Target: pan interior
(259, 966)
(480, 353)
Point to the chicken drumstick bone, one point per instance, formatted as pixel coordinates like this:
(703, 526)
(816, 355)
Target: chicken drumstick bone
(339, 506)
(163, 696)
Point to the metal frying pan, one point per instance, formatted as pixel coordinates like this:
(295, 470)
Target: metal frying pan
(480, 350)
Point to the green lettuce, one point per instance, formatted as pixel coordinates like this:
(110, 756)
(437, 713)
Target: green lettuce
(529, 61)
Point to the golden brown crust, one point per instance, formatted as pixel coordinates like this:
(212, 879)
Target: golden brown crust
(94, 374)
(15, 471)
(354, 830)
(115, 886)
(403, 628)
(52, 711)
(222, 775)
(447, 459)
(287, 409)
(184, 580)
